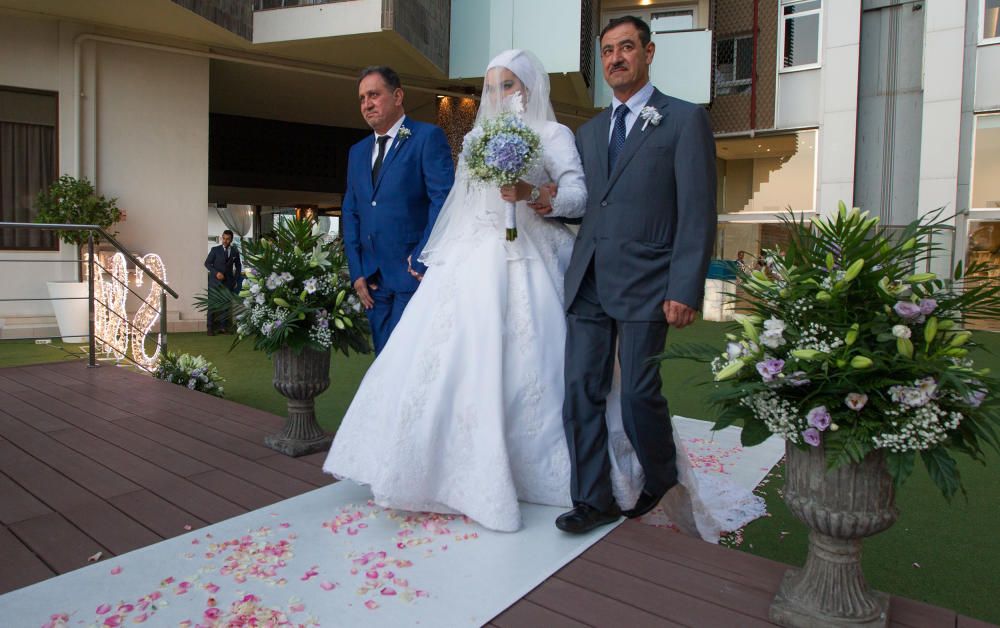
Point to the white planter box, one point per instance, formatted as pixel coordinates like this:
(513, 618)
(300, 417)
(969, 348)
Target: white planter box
(70, 305)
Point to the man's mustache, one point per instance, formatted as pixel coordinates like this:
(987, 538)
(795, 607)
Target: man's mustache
(618, 66)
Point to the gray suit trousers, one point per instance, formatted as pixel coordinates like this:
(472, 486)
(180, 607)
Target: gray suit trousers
(591, 332)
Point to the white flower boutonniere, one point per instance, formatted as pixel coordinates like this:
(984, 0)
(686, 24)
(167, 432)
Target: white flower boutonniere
(650, 114)
(404, 133)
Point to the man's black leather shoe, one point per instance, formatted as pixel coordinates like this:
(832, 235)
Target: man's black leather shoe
(644, 504)
(585, 518)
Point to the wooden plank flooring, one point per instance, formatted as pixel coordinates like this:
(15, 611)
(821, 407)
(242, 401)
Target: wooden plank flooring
(107, 460)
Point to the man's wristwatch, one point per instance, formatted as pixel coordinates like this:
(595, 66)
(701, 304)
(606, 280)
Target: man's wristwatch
(535, 193)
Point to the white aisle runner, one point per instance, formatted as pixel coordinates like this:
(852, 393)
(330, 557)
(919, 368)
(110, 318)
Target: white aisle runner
(331, 557)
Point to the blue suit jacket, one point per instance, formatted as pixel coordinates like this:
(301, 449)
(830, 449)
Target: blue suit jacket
(386, 222)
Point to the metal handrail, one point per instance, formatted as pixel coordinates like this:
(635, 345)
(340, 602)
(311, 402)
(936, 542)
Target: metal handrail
(91, 263)
(52, 226)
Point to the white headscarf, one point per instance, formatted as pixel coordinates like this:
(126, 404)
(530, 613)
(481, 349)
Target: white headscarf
(531, 72)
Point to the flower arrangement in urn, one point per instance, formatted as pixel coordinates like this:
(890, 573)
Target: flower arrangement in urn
(297, 303)
(848, 346)
(296, 293)
(861, 363)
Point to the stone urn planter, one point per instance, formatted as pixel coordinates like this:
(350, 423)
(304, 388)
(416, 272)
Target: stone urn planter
(300, 377)
(841, 507)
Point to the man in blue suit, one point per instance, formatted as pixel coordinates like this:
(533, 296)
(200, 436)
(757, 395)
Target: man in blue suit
(397, 181)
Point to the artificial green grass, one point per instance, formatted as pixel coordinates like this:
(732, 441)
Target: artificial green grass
(940, 553)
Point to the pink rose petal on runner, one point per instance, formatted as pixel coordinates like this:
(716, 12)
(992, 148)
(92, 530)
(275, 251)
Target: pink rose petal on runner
(103, 609)
(139, 619)
(371, 605)
(327, 586)
(297, 608)
(388, 591)
(116, 570)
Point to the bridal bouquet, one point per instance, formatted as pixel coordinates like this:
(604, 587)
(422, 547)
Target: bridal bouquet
(849, 348)
(500, 151)
(296, 293)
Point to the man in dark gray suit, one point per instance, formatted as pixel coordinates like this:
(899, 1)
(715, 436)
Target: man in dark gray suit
(638, 266)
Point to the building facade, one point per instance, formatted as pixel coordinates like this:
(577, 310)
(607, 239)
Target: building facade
(176, 107)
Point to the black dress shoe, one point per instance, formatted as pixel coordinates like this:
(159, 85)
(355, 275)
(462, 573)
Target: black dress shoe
(585, 518)
(645, 503)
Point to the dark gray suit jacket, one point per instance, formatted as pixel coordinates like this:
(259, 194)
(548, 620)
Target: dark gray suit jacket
(650, 225)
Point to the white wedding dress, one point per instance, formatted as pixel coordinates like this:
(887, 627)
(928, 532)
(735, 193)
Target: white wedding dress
(462, 410)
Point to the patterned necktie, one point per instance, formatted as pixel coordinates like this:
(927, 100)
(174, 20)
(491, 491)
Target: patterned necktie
(378, 160)
(617, 137)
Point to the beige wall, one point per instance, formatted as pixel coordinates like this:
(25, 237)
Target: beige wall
(31, 53)
(152, 153)
(144, 136)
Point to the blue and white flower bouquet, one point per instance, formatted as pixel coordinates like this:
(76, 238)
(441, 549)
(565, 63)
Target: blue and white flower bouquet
(500, 151)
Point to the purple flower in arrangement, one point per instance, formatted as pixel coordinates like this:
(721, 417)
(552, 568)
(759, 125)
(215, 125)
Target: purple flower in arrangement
(907, 310)
(811, 436)
(976, 398)
(856, 401)
(507, 152)
(769, 369)
(819, 418)
(734, 350)
(927, 306)
(798, 378)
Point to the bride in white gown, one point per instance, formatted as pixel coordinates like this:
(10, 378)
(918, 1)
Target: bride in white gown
(462, 410)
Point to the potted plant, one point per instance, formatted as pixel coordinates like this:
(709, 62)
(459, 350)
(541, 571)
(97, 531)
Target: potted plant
(860, 363)
(74, 201)
(297, 304)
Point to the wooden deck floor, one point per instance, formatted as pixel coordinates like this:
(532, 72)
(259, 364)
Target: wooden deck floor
(106, 460)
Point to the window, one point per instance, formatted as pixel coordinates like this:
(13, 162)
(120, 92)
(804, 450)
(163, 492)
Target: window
(986, 162)
(990, 15)
(674, 20)
(766, 174)
(27, 163)
(733, 65)
(800, 34)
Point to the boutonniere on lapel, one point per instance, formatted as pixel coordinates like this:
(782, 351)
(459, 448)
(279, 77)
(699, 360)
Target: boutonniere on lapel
(650, 115)
(403, 133)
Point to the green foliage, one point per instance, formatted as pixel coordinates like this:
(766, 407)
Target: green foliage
(194, 372)
(849, 345)
(297, 293)
(74, 201)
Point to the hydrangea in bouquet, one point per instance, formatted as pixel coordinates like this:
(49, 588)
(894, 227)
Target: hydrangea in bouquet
(500, 151)
(848, 347)
(194, 372)
(296, 293)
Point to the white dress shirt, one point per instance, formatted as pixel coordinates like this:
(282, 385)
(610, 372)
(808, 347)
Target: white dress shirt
(392, 138)
(634, 104)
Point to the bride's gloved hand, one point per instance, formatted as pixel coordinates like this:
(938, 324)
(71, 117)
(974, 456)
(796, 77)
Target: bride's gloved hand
(543, 204)
(520, 191)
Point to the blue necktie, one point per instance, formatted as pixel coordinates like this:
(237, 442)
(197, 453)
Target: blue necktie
(617, 137)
